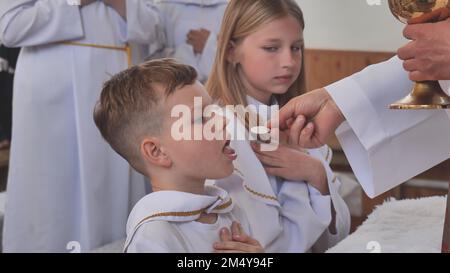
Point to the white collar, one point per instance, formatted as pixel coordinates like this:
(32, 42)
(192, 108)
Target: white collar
(175, 206)
(262, 107)
(257, 103)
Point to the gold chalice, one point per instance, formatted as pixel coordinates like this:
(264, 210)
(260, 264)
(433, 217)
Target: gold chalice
(426, 94)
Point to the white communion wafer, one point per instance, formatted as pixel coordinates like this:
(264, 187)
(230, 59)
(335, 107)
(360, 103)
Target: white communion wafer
(262, 132)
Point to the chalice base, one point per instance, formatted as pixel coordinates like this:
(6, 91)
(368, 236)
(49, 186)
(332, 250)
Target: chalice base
(425, 95)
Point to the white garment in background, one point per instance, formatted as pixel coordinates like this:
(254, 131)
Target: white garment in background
(65, 183)
(181, 16)
(387, 147)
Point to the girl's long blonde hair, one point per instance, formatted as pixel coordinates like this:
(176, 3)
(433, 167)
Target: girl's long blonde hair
(242, 18)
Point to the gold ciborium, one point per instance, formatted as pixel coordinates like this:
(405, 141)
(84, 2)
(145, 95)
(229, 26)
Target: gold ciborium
(426, 94)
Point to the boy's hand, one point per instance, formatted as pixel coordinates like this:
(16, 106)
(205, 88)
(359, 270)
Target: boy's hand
(237, 241)
(198, 38)
(293, 164)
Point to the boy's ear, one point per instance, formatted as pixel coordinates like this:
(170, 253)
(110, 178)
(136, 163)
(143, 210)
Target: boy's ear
(153, 153)
(232, 53)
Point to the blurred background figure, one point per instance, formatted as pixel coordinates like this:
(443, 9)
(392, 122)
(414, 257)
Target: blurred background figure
(65, 183)
(191, 28)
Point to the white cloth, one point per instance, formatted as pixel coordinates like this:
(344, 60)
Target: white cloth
(65, 183)
(405, 226)
(296, 216)
(387, 147)
(165, 221)
(181, 16)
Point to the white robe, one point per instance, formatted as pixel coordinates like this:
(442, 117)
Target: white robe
(387, 147)
(181, 16)
(165, 221)
(65, 183)
(296, 216)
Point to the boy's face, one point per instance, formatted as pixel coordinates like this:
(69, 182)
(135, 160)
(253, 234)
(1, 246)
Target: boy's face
(196, 159)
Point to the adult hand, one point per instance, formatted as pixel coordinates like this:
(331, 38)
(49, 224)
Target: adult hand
(322, 116)
(427, 56)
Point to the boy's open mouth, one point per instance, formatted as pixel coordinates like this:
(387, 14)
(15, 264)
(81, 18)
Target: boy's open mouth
(229, 152)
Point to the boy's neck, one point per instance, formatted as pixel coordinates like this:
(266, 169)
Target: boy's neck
(173, 183)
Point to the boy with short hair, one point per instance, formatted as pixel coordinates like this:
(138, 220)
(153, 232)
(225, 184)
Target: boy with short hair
(182, 214)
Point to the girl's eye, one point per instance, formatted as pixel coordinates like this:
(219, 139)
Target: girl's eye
(296, 49)
(270, 48)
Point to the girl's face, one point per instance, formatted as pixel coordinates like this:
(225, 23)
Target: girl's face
(270, 58)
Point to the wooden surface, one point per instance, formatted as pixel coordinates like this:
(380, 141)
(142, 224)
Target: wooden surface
(324, 67)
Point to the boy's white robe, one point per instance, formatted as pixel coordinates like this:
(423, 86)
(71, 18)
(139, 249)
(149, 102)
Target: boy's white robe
(387, 147)
(165, 221)
(285, 216)
(65, 183)
(181, 16)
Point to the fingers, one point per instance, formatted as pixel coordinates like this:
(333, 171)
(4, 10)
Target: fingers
(413, 32)
(412, 65)
(267, 158)
(417, 70)
(234, 246)
(408, 51)
(225, 235)
(306, 136)
(269, 161)
(241, 243)
(192, 36)
(239, 235)
(295, 130)
(418, 76)
(235, 230)
(286, 112)
(289, 122)
(275, 171)
(228, 251)
(307, 105)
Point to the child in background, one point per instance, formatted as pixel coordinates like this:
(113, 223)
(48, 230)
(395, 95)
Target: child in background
(191, 28)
